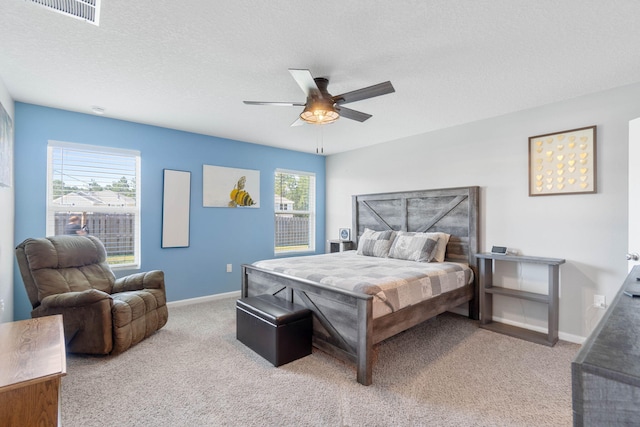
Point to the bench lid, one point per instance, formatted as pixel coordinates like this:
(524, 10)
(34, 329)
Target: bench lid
(273, 309)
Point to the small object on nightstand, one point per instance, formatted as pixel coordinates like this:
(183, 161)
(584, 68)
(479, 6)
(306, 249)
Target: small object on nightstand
(345, 234)
(503, 250)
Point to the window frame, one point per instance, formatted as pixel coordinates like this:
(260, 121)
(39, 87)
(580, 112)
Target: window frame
(311, 212)
(51, 209)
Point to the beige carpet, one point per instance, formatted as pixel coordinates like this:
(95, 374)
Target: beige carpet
(445, 372)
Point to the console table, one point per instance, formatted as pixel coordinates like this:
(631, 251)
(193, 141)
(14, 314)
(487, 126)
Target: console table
(551, 299)
(32, 363)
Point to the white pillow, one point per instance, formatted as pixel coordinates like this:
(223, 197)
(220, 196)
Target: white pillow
(413, 246)
(441, 248)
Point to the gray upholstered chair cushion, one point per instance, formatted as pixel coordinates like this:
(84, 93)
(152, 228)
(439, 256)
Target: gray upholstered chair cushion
(67, 264)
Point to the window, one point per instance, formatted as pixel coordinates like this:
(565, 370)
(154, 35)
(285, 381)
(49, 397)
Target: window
(96, 190)
(295, 211)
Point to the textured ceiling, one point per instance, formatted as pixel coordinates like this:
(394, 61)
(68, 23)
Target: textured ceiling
(188, 65)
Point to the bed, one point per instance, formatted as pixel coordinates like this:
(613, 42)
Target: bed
(347, 322)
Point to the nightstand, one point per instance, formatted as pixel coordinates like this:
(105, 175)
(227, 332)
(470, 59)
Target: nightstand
(339, 245)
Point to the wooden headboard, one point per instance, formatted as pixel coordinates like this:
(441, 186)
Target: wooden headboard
(454, 211)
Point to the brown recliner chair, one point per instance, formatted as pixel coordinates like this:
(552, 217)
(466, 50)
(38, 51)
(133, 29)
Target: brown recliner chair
(69, 275)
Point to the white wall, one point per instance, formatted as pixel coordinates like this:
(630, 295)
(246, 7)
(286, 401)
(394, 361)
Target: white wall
(588, 230)
(6, 231)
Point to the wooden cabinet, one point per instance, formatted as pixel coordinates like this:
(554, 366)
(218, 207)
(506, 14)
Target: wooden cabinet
(551, 298)
(339, 246)
(605, 374)
(32, 363)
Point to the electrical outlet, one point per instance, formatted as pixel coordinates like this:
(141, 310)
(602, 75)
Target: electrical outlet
(1, 306)
(599, 301)
(229, 268)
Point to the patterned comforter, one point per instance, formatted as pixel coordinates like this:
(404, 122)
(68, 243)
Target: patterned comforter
(394, 283)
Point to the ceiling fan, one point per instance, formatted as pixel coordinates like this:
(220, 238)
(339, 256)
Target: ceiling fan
(321, 107)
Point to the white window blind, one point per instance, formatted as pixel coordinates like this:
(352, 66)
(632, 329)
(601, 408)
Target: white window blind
(295, 211)
(100, 188)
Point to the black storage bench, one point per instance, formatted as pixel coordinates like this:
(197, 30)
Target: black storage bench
(277, 330)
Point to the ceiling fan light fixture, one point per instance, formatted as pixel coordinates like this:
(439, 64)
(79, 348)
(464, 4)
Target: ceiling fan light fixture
(319, 113)
(323, 108)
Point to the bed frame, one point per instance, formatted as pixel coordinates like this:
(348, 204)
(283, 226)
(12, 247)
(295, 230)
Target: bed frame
(343, 325)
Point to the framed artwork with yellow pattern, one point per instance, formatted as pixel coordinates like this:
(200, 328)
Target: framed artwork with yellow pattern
(563, 162)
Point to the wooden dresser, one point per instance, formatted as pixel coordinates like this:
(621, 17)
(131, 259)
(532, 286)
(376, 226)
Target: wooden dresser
(606, 370)
(32, 363)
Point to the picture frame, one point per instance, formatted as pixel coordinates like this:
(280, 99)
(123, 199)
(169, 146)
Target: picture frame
(6, 148)
(563, 162)
(344, 234)
(225, 187)
(176, 203)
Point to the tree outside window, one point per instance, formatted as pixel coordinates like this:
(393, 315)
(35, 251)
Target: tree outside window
(294, 211)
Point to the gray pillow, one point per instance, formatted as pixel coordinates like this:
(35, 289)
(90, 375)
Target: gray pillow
(375, 243)
(413, 247)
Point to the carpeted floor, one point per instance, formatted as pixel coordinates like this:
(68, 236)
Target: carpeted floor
(445, 372)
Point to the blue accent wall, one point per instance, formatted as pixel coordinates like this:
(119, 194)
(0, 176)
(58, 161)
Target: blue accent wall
(219, 236)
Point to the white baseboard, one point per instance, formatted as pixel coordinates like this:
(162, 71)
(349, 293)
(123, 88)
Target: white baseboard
(576, 339)
(561, 335)
(458, 310)
(189, 301)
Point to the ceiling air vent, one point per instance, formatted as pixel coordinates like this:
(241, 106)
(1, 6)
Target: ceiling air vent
(87, 10)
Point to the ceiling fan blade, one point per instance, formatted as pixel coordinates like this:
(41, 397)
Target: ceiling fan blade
(298, 122)
(348, 113)
(364, 93)
(277, 104)
(304, 80)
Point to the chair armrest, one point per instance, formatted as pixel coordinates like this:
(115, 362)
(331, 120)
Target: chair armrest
(135, 282)
(73, 299)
